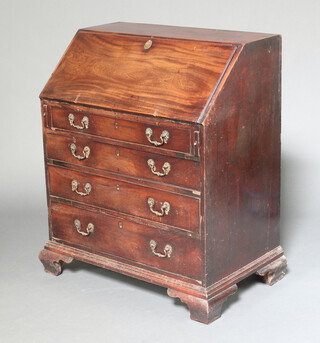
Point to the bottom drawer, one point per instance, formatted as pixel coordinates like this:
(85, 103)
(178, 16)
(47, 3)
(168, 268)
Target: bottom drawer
(139, 243)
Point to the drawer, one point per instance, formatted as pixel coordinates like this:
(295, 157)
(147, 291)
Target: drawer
(153, 133)
(139, 243)
(164, 207)
(136, 163)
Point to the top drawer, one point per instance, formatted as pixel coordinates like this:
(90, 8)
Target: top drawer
(162, 135)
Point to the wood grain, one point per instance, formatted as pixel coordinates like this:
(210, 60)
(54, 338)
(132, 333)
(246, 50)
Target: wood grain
(242, 162)
(125, 197)
(130, 241)
(218, 94)
(113, 127)
(179, 32)
(173, 79)
(123, 161)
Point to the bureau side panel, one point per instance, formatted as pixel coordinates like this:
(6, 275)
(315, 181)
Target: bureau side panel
(242, 162)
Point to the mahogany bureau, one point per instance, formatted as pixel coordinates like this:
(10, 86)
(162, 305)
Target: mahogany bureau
(162, 156)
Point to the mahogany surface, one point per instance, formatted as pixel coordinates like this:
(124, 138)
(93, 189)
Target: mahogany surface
(173, 79)
(113, 126)
(125, 197)
(124, 161)
(215, 97)
(179, 32)
(129, 240)
(243, 153)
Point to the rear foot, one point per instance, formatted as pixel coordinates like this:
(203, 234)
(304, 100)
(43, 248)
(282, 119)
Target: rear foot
(274, 271)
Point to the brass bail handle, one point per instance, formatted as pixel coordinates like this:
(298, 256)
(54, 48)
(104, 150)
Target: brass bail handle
(164, 137)
(165, 208)
(89, 228)
(84, 122)
(165, 168)
(85, 152)
(166, 252)
(87, 188)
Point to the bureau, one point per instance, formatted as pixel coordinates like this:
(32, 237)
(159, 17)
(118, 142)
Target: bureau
(162, 158)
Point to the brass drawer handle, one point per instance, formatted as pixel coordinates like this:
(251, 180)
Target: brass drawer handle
(87, 188)
(166, 168)
(165, 208)
(85, 152)
(164, 137)
(89, 228)
(84, 122)
(166, 252)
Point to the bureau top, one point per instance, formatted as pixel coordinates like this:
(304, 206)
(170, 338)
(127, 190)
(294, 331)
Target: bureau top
(179, 32)
(154, 70)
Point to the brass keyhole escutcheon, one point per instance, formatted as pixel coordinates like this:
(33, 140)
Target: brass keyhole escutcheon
(147, 44)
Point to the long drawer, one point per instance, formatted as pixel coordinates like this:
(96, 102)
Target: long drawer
(129, 198)
(139, 243)
(139, 164)
(162, 135)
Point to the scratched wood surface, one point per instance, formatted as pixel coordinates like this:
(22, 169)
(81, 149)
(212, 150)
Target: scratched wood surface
(173, 79)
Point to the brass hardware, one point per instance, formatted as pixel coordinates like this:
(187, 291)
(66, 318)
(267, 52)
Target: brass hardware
(166, 252)
(84, 122)
(87, 188)
(89, 228)
(147, 44)
(196, 143)
(85, 152)
(116, 125)
(117, 153)
(165, 208)
(45, 109)
(120, 225)
(118, 188)
(164, 137)
(166, 168)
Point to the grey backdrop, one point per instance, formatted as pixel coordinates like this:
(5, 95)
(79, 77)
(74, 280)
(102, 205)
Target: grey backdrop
(88, 304)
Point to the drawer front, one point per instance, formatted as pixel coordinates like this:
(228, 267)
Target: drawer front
(139, 164)
(164, 207)
(143, 244)
(160, 135)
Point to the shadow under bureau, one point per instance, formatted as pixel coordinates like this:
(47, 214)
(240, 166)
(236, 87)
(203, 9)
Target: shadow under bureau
(162, 156)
